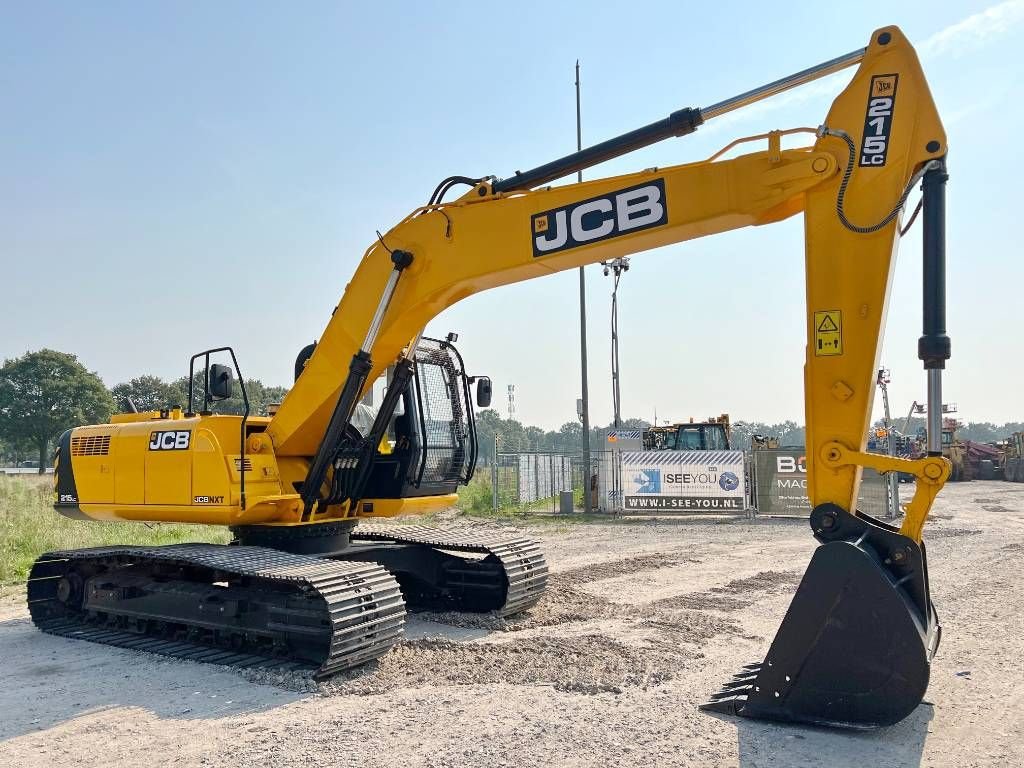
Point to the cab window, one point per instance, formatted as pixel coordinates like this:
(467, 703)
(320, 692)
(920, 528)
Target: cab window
(689, 439)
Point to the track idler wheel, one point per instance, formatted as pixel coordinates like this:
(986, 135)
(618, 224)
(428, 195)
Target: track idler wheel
(855, 647)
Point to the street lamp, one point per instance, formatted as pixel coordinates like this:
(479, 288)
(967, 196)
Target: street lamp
(616, 267)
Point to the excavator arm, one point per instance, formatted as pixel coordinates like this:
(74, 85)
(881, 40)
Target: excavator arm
(881, 133)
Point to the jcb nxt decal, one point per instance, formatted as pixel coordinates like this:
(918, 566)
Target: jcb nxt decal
(878, 122)
(599, 218)
(170, 441)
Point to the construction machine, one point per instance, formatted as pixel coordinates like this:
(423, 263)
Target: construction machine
(764, 443)
(710, 435)
(971, 460)
(1013, 458)
(955, 450)
(303, 584)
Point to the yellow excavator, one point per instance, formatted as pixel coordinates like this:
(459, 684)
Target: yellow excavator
(710, 435)
(302, 585)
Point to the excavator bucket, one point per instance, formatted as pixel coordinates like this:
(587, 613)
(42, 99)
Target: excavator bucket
(856, 644)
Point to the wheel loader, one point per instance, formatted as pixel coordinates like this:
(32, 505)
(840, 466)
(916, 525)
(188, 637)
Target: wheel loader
(710, 435)
(308, 583)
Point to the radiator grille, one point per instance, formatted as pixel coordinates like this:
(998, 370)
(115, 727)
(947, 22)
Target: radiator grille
(90, 445)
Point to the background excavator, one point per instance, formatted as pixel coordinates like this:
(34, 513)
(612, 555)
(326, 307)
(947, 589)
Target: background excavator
(303, 586)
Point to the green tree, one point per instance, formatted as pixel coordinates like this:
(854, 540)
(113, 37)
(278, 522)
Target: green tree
(534, 438)
(260, 396)
(44, 393)
(488, 424)
(13, 453)
(570, 437)
(147, 393)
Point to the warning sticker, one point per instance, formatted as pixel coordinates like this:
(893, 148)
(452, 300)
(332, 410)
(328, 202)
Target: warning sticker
(828, 332)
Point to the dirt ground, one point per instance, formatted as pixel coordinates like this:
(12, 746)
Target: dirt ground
(642, 622)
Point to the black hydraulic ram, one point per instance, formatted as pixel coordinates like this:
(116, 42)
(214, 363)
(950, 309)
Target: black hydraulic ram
(364, 456)
(358, 371)
(933, 348)
(679, 123)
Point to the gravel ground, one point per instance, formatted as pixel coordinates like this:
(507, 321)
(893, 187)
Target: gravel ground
(640, 624)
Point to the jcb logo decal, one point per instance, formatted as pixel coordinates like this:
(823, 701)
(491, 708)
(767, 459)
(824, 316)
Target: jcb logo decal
(170, 441)
(878, 122)
(599, 218)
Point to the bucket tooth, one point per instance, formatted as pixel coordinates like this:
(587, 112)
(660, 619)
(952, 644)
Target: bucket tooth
(746, 674)
(727, 705)
(855, 647)
(738, 682)
(731, 693)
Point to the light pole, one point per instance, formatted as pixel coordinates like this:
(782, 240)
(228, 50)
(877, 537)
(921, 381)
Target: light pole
(616, 267)
(584, 403)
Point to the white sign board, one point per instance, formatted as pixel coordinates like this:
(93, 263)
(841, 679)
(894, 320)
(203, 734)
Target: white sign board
(683, 481)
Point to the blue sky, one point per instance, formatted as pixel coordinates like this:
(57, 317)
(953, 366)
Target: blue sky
(187, 175)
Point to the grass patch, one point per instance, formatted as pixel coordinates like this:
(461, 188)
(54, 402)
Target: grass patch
(477, 498)
(30, 526)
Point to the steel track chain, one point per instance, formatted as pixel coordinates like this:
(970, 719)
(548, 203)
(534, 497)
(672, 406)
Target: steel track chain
(526, 570)
(360, 602)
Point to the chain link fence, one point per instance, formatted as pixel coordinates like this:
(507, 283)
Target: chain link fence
(520, 483)
(551, 483)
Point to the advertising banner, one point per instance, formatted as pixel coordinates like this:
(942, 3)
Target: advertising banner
(781, 485)
(664, 482)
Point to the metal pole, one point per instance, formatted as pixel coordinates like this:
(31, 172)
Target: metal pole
(892, 497)
(584, 386)
(494, 475)
(615, 351)
(906, 424)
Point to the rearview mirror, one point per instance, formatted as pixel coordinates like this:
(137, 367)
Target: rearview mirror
(219, 382)
(483, 392)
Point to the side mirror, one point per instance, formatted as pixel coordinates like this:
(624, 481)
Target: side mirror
(483, 392)
(219, 382)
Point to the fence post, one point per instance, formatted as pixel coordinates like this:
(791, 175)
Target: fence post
(518, 480)
(551, 483)
(537, 476)
(494, 482)
(748, 456)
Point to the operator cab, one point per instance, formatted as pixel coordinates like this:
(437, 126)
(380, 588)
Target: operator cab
(430, 446)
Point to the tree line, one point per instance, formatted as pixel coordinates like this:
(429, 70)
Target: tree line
(978, 431)
(44, 393)
(515, 437)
